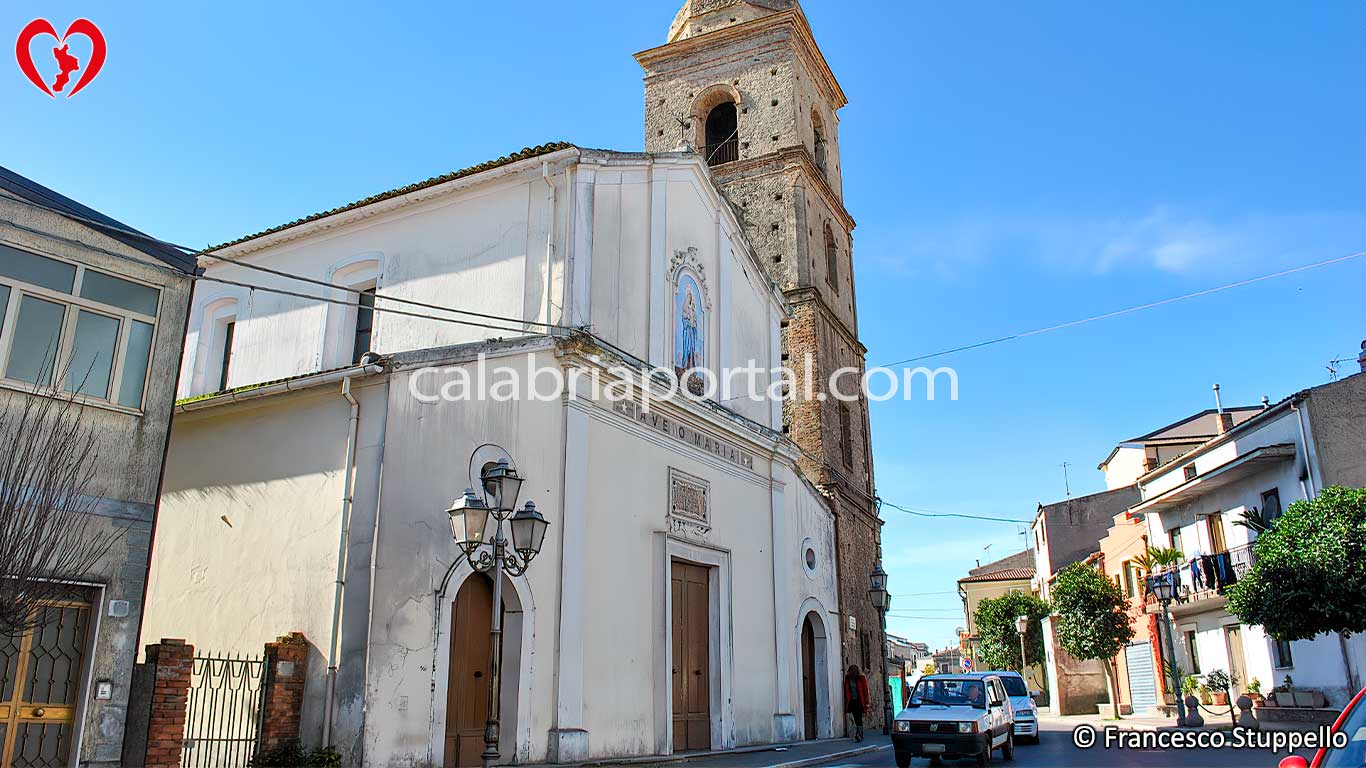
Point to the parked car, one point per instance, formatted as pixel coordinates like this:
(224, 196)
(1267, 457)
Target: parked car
(954, 716)
(1352, 722)
(1022, 704)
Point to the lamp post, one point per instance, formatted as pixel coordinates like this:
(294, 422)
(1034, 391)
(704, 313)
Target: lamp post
(469, 516)
(877, 593)
(1022, 626)
(1164, 591)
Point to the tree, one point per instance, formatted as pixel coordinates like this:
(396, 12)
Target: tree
(995, 620)
(47, 540)
(1309, 572)
(1093, 619)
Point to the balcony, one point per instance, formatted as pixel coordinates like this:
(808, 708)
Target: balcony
(722, 152)
(1200, 582)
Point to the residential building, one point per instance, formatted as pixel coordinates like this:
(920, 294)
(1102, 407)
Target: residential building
(1286, 452)
(1140, 455)
(1064, 533)
(84, 293)
(1013, 573)
(1139, 669)
(691, 558)
(948, 661)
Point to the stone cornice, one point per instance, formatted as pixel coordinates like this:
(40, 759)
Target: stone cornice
(795, 23)
(783, 161)
(810, 294)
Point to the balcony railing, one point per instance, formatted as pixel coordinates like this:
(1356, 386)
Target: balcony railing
(727, 151)
(1206, 575)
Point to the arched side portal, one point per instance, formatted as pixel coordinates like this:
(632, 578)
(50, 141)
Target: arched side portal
(817, 669)
(518, 666)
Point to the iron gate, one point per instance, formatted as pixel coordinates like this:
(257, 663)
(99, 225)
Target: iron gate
(223, 714)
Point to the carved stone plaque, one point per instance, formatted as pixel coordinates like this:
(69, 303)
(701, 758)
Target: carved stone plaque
(689, 503)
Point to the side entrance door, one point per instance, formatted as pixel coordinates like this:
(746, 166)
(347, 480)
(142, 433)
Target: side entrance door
(809, 678)
(467, 690)
(1237, 660)
(40, 678)
(691, 664)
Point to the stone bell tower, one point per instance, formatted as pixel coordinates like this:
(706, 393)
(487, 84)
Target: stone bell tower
(743, 83)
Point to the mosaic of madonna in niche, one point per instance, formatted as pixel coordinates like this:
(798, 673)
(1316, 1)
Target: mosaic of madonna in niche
(690, 315)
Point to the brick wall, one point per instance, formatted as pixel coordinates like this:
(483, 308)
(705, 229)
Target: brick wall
(173, 660)
(284, 690)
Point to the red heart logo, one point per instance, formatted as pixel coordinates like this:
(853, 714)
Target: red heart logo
(66, 63)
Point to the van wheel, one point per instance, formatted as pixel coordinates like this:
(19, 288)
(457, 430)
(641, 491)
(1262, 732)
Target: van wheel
(984, 757)
(1008, 749)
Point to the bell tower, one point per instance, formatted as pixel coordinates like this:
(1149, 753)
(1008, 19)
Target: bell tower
(743, 83)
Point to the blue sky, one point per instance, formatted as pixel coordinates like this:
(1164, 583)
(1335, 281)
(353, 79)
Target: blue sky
(1010, 166)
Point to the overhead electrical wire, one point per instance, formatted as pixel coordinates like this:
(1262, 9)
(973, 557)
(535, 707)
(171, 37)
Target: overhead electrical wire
(1130, 310)
(930, 513)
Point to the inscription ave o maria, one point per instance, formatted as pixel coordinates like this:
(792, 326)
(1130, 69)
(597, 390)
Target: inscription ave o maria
(683, 433)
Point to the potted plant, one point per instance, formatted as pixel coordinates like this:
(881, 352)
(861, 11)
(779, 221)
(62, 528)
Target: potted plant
(1173, 677)
(1220, 684)
(1204, 694)
(1189, 685)
(1254, 692)
(1281, 696)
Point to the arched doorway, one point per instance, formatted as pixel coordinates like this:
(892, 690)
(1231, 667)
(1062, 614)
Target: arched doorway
(467, 691)
(815, 677)
(808, 678)
(722, 134)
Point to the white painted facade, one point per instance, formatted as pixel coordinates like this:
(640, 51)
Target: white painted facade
(1273, 453)
(251, 520)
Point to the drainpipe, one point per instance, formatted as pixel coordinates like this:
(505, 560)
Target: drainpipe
(342, 545)
(1304, 444)
(549, 233)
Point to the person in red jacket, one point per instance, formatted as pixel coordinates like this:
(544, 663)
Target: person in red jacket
(856, 698)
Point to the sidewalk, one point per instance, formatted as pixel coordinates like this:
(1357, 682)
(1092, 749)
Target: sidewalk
(1137, 722)
(794, 755)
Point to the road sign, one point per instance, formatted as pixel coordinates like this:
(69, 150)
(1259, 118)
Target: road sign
(967, 664)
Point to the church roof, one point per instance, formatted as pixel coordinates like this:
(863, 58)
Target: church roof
(524, 154)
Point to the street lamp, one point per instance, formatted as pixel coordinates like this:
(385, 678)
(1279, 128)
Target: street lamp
(1022, 626)
(469, 516)
(1164, 590)
(877, 593)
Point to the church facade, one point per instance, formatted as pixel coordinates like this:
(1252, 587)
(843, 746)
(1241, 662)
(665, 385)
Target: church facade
(744, 83)
(688, 594)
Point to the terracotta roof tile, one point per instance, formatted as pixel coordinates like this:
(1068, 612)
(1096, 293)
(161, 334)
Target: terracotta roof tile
(1009, 574)
(528, 152)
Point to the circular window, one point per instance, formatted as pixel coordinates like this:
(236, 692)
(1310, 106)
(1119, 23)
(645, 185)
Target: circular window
(809, 557)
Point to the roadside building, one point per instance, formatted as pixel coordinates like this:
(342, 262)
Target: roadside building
(1067, 532)
(1013, 573)
(1140, 455)
(86, 294)
(948, 660)
(1139, 666)
(1286, 452)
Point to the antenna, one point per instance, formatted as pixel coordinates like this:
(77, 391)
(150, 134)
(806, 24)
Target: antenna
(1066, 482)
(1333, 366)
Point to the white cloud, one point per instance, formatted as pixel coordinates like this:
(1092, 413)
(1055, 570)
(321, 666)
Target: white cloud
(1165, 239)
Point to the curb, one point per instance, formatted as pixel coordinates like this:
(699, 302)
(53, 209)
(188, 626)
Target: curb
(832, 756)
(686, 759)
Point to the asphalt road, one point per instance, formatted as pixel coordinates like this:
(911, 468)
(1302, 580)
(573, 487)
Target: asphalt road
(1056, 750)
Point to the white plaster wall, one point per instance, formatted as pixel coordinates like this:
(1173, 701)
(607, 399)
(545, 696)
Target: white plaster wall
(247, 536)
(480, 248)
(426, 466)
(1124, 468)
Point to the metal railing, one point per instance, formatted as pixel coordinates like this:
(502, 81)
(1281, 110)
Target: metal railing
(1212, 573)
(727, 151)
(223, 714)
